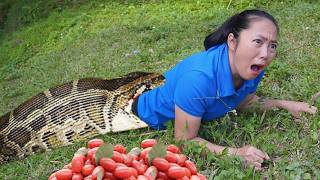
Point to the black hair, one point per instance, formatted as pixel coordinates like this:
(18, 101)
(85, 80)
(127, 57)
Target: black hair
(235, 24)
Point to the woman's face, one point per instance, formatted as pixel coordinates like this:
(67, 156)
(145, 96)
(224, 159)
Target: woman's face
(254, 49)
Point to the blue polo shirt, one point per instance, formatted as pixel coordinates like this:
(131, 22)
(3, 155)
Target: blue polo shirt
(201, 85)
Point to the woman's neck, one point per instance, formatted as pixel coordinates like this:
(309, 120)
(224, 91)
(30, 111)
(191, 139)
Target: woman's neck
(237, 80)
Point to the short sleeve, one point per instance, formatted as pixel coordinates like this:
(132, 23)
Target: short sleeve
(190, 93)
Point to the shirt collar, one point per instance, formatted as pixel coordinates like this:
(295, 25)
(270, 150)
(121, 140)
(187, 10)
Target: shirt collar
(222, 68)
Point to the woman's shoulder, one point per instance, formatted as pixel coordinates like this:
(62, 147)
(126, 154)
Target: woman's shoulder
(197, 76)
(195, 79)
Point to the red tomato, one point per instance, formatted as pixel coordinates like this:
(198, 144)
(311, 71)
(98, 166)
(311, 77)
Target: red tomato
(130, 178)
(173, 148)
(148, 143)
(110, 176)
(188, 172)
(67, 166)
(121, 165)
(127, 159)
(117, 157)
(174, 165)
(77, 163)
(64, 174)
(87, 169)
(91, 152)
(135, 151)
(191, 166)
(94, 143)
(122, 172)
(135, 157)
(146, 159)
(176, 172)
(143, 177)
(202, 177)
(152, 172)
(77, 176)
(171, 157)
(144, 153)
(88, 161)
(181, 158)
(140, 167)
(161, 164)
(162, 175)
(195, 177)
(53, 175)
(183, 178)
(98, 170)
(82, 151)
(133, 171)
(120, 148)
(108, 164)
(88, 178)
(93, 159)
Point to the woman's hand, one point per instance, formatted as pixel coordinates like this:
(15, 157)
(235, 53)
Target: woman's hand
(296, 108)
(253, 101)
(252, 156)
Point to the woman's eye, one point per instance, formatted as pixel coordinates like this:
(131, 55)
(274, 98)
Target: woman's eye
(257, 41)
(273, 46)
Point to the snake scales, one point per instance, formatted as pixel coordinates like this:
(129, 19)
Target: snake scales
(72, 111)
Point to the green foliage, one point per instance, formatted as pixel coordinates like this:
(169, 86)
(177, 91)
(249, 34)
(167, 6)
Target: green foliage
(18, 13)
(105, 150)
(158, 150)
(47, 43)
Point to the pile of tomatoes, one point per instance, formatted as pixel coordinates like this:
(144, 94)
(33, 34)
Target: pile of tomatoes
(130, 166)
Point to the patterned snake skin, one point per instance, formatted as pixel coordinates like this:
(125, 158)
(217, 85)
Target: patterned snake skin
(71, 112)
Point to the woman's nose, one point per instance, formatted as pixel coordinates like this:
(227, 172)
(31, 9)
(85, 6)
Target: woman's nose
(264, 52)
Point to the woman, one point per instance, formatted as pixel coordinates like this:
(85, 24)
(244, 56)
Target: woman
(211, 83)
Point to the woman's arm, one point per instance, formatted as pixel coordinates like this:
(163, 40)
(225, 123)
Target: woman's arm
(187, 127)
(259, 103)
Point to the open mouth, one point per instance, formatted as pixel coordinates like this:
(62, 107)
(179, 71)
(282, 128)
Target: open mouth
(257, 68)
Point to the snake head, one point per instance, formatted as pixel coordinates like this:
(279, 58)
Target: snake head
(153, 80)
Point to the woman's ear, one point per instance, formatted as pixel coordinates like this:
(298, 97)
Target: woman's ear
(232, 42)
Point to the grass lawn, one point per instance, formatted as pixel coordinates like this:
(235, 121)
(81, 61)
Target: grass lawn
(109, 39)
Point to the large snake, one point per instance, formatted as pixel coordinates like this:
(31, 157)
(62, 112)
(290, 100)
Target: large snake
(71, 112)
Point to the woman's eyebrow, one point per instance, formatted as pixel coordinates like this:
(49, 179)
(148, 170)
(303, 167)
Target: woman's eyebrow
(264, 38)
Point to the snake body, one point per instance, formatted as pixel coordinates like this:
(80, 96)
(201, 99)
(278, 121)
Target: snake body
(71, 112)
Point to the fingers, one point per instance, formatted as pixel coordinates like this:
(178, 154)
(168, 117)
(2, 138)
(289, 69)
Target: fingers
(253, 156)
(252, 152)
(261, 154)
(303, 107)
(308, 108)
(312, 110)
(266, 156)
(257, 166)
(258, 159)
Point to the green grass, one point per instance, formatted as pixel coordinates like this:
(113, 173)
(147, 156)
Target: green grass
(100, 39)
